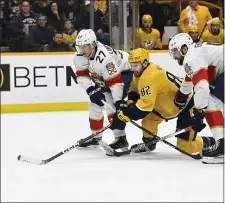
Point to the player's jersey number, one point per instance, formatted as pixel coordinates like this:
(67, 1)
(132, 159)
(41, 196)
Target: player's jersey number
(145, 91)
(100, 57)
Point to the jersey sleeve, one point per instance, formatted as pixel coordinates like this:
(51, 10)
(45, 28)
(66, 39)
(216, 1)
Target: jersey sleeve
(196, 68)
(81, 65)
(112, 78)
(148, 91)
(158, 40)
(187, 85)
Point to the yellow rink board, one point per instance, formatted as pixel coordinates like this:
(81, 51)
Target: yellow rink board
(44, 107)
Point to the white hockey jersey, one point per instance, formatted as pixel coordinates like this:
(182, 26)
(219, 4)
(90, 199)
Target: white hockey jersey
(104, 69)
(203, 63)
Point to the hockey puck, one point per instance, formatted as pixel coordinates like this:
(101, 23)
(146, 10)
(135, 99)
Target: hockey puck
(19, 157)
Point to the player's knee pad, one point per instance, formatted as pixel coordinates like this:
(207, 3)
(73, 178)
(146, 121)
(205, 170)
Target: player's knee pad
(188, 136)
(190, 146)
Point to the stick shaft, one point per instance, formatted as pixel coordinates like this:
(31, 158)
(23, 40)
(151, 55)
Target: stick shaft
(45, 161)
(168, 143)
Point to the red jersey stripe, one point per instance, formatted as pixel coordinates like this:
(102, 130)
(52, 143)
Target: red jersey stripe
(114, 80)
(202, 74)
(81, 73)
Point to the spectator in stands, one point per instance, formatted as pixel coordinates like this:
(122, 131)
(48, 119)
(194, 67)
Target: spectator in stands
(54, 17)
(14, 8)
(146, 36)
(40, 7)
(41, 34)
(57, 45)
(193, 32)
(194, 14)
(102, 5)
(99, 27)
(70, 8)
(20, 26)
(23, 21)
(215, 34)
(69, 33)
(156, 10)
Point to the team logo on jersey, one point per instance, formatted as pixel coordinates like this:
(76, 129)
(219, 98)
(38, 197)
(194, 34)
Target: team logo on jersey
(111, 68)
(188, 70)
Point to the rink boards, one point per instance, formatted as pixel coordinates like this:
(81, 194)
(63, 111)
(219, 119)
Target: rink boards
(36, 82)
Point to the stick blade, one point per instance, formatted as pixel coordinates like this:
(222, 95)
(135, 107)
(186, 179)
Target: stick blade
(213, 160)
(30, 160)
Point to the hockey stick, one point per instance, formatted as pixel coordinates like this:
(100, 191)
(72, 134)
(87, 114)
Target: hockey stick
(115, 153)
(45, 161)
(194, 156)
(206, 24)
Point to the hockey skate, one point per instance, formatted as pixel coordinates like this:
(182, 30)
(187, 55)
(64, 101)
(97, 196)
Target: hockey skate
(92, 142)
(148, 145)
(120, 143)
(215, 153)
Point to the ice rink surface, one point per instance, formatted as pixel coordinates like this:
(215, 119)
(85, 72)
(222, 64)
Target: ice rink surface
(90, 175)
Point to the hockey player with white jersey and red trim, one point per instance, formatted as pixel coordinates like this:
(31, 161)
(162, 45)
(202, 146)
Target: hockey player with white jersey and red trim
(98, 70)
(204, 67)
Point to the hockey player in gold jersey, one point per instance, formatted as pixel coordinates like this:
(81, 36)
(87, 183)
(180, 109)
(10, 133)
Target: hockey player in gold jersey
(193, 32)
(215, 34)
(146, 36)
(151, 98)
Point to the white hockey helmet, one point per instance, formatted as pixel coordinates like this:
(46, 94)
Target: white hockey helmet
(86, 36)
(178, 41)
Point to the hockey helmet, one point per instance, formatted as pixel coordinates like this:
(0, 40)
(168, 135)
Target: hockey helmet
(216, 22)
(86, 36)
(178, 41)
(146, 17)
(193, 28)
(139, 55)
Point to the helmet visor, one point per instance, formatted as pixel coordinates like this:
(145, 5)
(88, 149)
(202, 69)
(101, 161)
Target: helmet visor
(174, 52)
(83, 48)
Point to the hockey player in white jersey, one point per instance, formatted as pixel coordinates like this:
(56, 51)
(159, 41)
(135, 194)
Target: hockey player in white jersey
(204, 67)
(98, 70)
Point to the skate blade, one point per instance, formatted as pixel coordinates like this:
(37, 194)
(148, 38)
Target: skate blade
(109, 150)
(87, 147)
(213, 160)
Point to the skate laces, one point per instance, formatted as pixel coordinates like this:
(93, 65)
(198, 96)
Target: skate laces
(213, 147)
(139, 147)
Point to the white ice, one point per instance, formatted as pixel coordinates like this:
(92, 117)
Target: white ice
(90, 175)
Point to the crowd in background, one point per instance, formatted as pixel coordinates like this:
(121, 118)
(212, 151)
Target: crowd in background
(44, 25)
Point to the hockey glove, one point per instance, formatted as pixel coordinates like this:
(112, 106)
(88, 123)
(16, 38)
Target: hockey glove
(123, 117)
(96, 95)
(120, 105)
(180, 99)
(133, 97)
(116, 122)
(197, 120)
